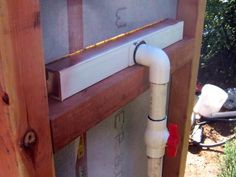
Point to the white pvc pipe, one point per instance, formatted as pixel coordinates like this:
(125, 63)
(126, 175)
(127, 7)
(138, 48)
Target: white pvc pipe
(155, 167)
(158, 101)
(156, 134)
(223, 114)
(157, 61)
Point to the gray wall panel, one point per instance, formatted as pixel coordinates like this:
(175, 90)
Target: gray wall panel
(104, 18)
(65, 160)
(55, 28)
(116, 146)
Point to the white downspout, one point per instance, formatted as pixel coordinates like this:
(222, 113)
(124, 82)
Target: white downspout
(156, 134)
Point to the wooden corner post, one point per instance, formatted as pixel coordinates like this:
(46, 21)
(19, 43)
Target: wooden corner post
(26, 148)
(183, 83)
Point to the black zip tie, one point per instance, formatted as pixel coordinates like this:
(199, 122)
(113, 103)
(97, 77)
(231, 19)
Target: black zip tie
(159, 120)
(135, 50)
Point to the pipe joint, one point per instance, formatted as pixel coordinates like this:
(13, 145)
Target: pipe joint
(156, 136)
(156, 59)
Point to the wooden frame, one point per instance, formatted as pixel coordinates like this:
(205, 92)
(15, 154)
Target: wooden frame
(24, 127)
(26, 148)
(184, 81)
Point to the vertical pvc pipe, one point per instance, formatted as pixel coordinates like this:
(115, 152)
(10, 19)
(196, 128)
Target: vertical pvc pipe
(156, 134)
(155, 167)
(158, 101)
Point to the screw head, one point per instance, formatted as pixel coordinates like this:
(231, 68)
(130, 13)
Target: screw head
(30, 138)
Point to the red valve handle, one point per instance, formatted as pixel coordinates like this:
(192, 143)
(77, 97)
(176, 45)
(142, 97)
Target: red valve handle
(173, 140)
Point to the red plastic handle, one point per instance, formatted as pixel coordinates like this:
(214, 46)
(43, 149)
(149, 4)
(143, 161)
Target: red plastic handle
(173, 140)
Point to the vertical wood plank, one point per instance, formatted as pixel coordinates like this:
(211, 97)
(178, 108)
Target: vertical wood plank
(75, 24)
(178, 105)
(192, 13)
(75, 28)
(23, 103)
(194, 30)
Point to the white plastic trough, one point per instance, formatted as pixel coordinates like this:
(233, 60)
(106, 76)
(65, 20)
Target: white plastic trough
(75, 77)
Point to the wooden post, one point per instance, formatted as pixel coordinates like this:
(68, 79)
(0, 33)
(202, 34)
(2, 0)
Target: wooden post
(194, 30)
(183, 83)
(26, 148)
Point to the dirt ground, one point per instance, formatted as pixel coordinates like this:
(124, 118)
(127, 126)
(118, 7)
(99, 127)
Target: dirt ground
(202, 162)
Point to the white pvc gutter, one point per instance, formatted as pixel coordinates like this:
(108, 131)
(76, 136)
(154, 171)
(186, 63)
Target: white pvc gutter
(76, 76)
(156, 134)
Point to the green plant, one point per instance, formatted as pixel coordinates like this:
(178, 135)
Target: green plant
(229, 160)
(218, 54)
(219, 29)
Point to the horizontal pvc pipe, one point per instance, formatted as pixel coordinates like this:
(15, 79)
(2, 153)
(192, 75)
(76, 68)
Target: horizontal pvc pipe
(223, 114)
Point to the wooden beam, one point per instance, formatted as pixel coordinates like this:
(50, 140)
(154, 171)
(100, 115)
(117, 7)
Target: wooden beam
(26, 148)
(192, 12)
(75, 24)
(84, 110)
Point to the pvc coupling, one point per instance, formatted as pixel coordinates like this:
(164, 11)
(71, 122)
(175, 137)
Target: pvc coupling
(156, 136)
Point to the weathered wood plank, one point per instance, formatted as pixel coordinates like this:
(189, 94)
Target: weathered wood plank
(192, 12)
(23, 103)
(77, 114)
(75, 24)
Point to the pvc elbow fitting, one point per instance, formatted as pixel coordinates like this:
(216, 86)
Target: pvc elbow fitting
(157, 60)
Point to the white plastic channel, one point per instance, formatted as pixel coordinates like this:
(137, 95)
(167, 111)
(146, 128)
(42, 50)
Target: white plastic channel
(103, 65)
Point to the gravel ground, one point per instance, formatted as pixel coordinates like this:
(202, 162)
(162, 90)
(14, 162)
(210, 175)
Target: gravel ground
(206, 162)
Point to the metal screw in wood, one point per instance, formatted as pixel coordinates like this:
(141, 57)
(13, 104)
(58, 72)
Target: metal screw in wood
(30, 138)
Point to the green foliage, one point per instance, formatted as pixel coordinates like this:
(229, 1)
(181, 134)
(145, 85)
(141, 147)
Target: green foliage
(219, 30)
(219, 39)
(229, 160)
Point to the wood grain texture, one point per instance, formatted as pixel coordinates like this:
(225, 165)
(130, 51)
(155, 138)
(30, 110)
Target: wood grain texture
(84, 110)
(192, 13)
(23, 103)
(75, 24)
(177, 114)
(9, 162)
